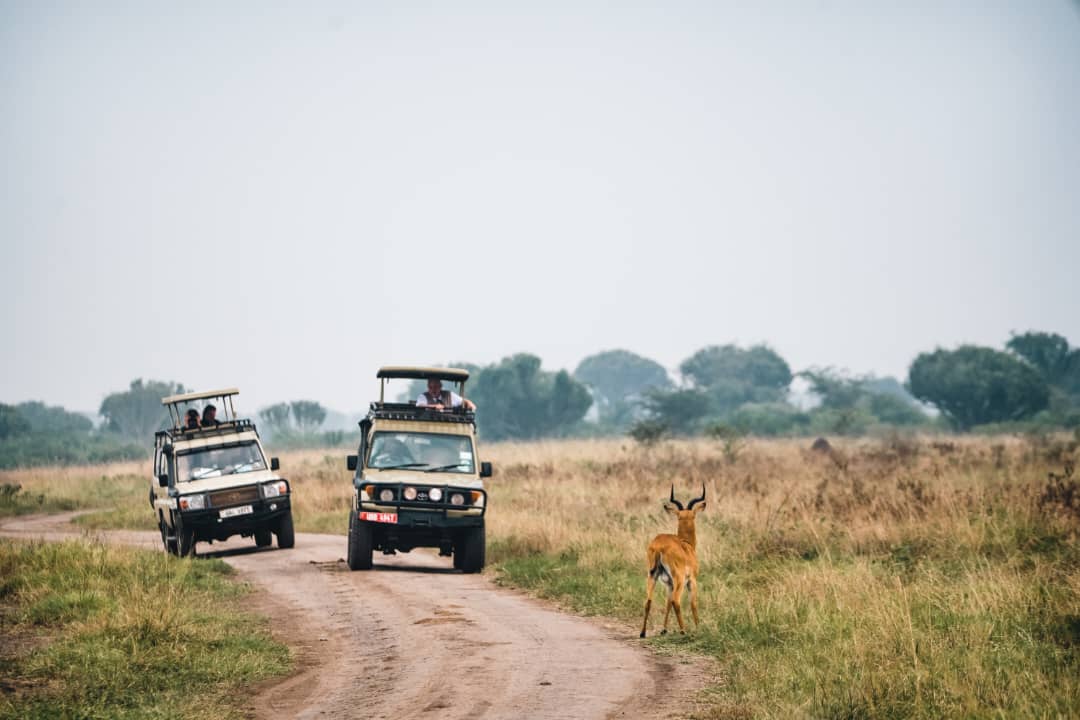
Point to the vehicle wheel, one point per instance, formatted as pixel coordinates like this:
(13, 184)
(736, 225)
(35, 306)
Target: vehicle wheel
(170, 545)
(359, 554)
(263, 537)
(286, 538)
(471, 547)
(185, 542)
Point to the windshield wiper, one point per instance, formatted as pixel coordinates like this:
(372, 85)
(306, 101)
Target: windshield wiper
(400, 466)
(443, 467)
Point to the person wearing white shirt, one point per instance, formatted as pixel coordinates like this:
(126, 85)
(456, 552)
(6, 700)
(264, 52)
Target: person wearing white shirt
(438, 399)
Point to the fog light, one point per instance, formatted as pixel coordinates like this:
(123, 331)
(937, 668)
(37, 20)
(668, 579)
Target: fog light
(435, 494)
(457, 499)
(410, 493)
(386, 495)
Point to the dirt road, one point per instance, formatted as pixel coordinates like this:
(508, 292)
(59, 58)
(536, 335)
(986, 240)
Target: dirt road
(415, 639)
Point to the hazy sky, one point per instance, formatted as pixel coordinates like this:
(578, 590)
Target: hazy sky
(286, 198)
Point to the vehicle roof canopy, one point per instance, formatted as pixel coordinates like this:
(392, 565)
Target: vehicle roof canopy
(391, 372)
(177, 403)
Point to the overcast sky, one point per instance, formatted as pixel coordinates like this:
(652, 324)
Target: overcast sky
(284, 199)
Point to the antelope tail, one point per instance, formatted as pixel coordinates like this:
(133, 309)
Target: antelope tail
(660, 571)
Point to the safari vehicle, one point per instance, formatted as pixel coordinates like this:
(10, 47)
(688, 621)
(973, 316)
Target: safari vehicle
(417, 481)
(213, 482)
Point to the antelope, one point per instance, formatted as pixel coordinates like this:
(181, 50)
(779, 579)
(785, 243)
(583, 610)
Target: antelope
(672, 559)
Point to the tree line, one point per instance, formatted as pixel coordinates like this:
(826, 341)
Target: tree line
(1032, 382)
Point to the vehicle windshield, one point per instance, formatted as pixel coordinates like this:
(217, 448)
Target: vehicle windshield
(218, 461)
(421, 451)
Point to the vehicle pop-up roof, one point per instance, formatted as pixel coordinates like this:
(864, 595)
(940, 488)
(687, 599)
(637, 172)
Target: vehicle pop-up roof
(454, 375)
(179, 404)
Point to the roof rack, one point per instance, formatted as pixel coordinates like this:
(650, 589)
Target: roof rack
(177, 404)
(394, 372)
(409, 411)
(226, 428)
(422, 373)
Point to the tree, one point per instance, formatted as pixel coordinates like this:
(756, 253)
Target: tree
(517, 400)
(868, 398)
(43, 418)
(12, 422)
(679, 410)
(276, 418)
(618, 379)
(732, 376)
(308, 415)
(976, 385)
(137, 412)
(1047, 352)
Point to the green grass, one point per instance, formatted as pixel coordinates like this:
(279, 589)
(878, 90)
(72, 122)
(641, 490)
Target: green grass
(959, 636)
(95, 631)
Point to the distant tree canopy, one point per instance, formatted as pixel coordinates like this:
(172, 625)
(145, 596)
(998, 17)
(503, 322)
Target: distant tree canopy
(976, 385)
(12, 422)
(32, 433)
(137, 412)
(880, 399)
(1050, 354)
(517, 400)
(308, 415)
(618, 380)
(731, 376)
(288, 418)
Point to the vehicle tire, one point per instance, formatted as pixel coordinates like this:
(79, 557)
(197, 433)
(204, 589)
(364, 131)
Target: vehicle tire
(170, 545)
(472, 548)
(360, 550)
(185, 542)
(263, 537)
(286, 537)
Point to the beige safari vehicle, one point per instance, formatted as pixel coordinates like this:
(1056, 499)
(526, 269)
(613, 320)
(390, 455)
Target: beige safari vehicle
(213, 482)
(417, 478)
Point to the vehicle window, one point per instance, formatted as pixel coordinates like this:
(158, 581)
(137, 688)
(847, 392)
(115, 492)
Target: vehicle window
(215, 462)
(422, 451)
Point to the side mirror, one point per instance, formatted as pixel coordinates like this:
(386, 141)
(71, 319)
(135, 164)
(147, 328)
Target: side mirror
(351, 461)
(163, 480)
(274, 464)
(485, 469)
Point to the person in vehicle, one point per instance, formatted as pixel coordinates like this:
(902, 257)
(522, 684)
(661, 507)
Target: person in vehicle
(439, 399)
(392, 452)
(209, 416)
(192, 420)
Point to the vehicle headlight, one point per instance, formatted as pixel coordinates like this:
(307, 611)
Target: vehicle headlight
(274, 489)
(410, 493)
(193, 502)
(386, 495)
(457, 499)
(435, 494)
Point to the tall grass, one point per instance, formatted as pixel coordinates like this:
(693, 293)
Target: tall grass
(99, 631)
(904, 577)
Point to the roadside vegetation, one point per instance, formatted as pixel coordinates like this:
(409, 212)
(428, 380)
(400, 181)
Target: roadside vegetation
(914, 576)
(90, 630)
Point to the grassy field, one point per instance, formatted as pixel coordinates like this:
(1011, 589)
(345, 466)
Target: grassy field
(885, 578)
(96, 631)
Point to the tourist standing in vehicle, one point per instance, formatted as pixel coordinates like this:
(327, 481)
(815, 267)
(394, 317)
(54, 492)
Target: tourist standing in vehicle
(439, 399)
(209, 416)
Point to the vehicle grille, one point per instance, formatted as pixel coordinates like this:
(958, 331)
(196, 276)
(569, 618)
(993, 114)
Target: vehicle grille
(234, 496)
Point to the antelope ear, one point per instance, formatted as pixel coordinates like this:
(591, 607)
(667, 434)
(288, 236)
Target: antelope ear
(699, 507)
(671, 508)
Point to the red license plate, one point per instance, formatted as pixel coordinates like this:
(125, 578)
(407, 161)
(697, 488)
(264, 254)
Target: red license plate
(378, 517)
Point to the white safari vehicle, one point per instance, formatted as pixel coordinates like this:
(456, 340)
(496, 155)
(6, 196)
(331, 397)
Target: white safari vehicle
(417, 478)
(213, 481)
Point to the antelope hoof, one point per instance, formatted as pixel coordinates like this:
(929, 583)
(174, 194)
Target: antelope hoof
(642, 634)
(663, 632)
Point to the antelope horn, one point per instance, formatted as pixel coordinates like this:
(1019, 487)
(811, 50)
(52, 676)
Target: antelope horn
(675, 502)
(697, 500)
